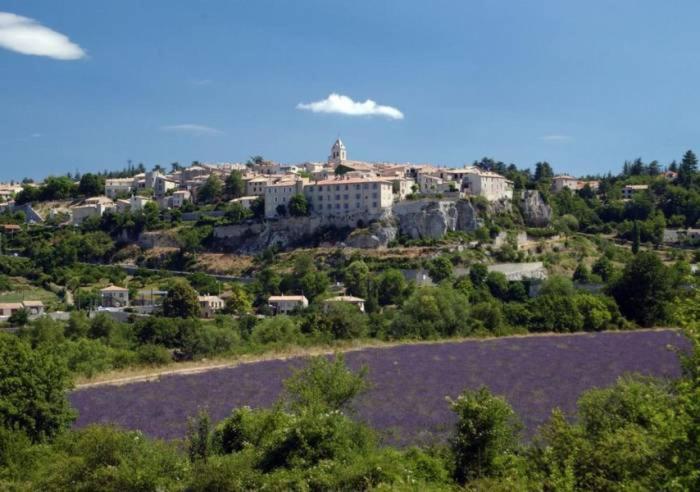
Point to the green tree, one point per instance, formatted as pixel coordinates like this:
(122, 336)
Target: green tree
(33, 385)
(345, 321)
(324, 385)
(392, 287)
(431, 312)
(237, 213)
(497, 283)
(582, 274)
(19, 318)
(181, 301)
(486, 436)
(211, 190)
(543, 171)
(199, 437)
(235, 186)
(635, 237)
(440, 269)
(357, 278)
(477, 274)
(91, 185)
(298, 206)
(603, 267)
(644, 289)
(687, 169)
(239, 300)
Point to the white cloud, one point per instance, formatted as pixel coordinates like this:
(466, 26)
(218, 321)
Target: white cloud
(192, 129)
(339, 104)
(27, 36)
(557, 138)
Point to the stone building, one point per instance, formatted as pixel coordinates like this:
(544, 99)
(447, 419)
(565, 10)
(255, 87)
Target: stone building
(340, 196)
(279, 194)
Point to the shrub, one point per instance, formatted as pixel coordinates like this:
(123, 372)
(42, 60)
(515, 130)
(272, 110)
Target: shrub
(485, 439)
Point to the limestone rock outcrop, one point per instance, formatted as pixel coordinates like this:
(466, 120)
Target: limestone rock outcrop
(536, 212)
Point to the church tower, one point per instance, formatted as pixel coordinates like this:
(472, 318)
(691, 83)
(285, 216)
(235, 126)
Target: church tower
(338, 153)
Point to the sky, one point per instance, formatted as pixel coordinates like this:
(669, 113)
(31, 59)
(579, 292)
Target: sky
(87, 86)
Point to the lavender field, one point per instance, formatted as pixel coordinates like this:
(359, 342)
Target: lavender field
(410, 383)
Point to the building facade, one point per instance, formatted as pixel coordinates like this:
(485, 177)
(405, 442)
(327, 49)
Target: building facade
(340, 196)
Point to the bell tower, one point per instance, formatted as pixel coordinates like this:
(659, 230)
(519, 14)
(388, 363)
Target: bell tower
(338, 152)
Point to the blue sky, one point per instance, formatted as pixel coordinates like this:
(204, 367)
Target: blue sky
(584, 85)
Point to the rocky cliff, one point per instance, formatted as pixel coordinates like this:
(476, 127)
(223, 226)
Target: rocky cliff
(419, 219)
(536, 212)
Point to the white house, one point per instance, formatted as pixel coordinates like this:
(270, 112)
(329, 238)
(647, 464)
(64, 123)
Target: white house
(564, 181)
(286, 304)
(355, 301)
(210, 305)
(120, 186)
(91, 207)
(488, 184)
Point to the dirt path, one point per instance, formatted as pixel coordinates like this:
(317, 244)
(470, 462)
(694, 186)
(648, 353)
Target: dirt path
(145, 374)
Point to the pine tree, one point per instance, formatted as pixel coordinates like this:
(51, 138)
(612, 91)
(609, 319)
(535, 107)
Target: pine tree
(687, 169)
(635, 238)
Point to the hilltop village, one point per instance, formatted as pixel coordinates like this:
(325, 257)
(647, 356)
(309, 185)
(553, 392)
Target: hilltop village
(231, 220)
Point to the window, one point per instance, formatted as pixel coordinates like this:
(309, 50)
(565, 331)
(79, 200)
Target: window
(337, 187)
(365, 186)
(337, 206)
(345, 196)
(346, 206)
(375, 186)
(374, 204)
(374, 195)
(357, 196)
(357, 186)
(346, 187)
(337, 197)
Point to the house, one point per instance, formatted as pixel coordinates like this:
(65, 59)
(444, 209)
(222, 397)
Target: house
(279, 194)
(431, 184)
(630, 190)
(34, 308)
(564, 181)
(7, 309)
(286, 304)
(256, 186)
(120, 186)
(355, 301)
(92, 207)
(402, 187)
(574, 184)
(176, 200)
(488, 184)
(115, 297)
(210, 305)
(163, 184)
(333, 197)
